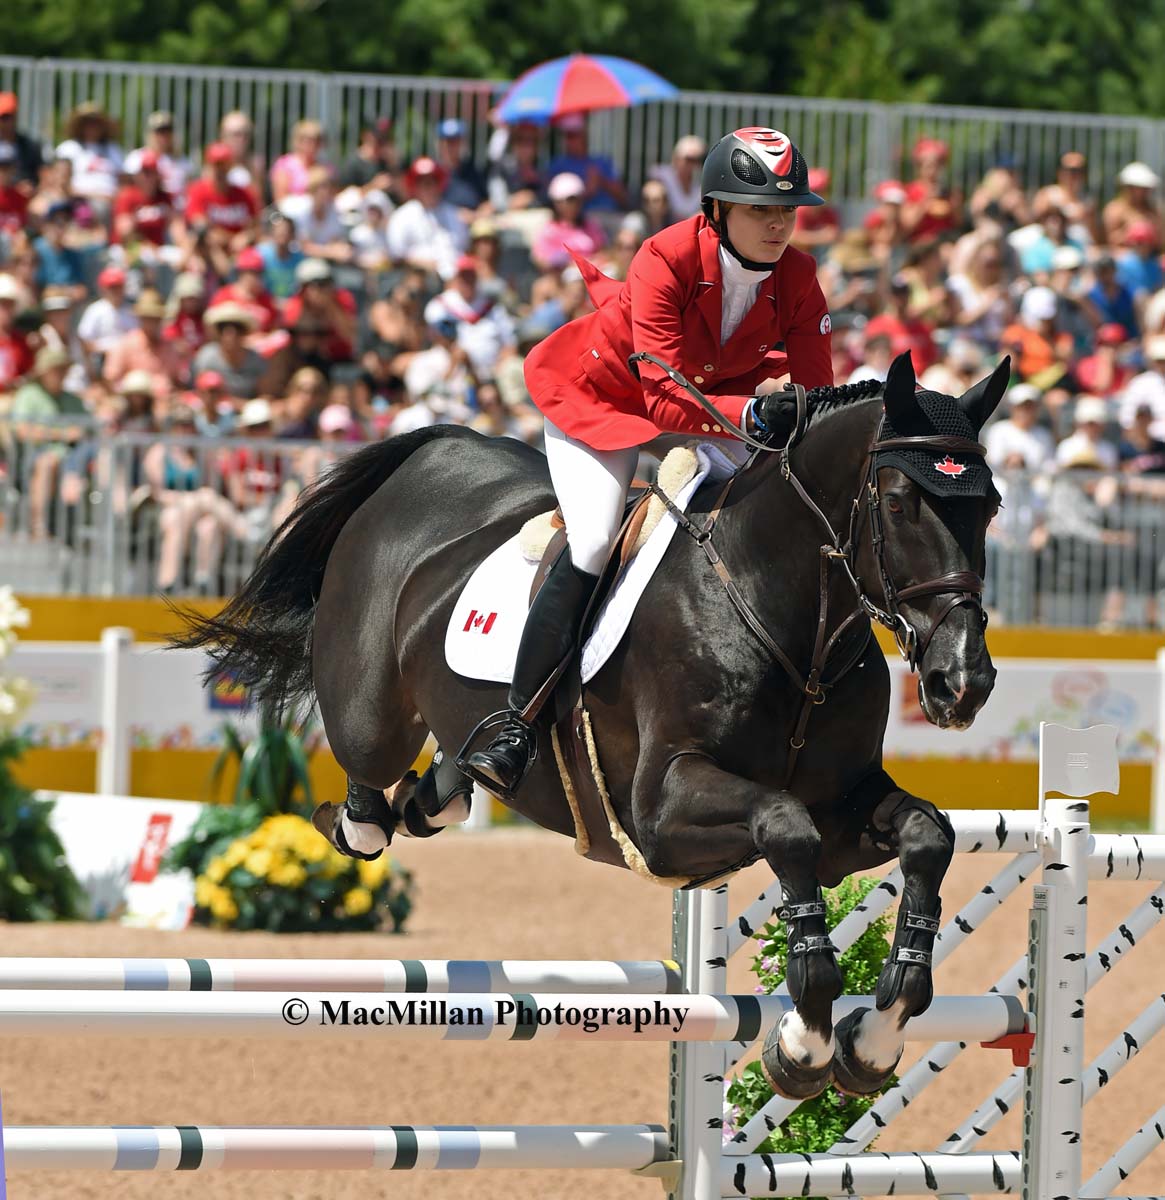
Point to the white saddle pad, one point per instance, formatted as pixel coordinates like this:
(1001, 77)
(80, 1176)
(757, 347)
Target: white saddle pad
(482, 639)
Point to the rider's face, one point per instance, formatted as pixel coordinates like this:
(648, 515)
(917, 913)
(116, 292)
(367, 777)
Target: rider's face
(761, 232)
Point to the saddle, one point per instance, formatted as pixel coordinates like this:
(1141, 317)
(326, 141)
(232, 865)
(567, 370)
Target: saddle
(598, 835)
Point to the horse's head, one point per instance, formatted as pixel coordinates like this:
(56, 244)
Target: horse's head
(931, 500)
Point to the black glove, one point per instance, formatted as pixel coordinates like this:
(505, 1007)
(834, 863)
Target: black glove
(775, 415)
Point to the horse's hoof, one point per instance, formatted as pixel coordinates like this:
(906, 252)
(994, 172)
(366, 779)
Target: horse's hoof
(788, 1079)
(850, 1075)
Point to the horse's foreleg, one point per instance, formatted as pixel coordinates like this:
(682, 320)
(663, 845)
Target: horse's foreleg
(870, 1042)
(702, 808)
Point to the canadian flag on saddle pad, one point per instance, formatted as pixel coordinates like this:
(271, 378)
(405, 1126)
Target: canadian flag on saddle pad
(481, 640)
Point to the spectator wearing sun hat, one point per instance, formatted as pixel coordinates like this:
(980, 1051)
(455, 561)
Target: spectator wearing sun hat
(109, 318)
(427, 231)
(91, 146)
(682, 176)
(570, 230)
(248, 290)
(184, 312)
(145, 349)
(883, 223)
(466, 189)
(1090, 417)
(1135, 200)
(603, 190)
(227, 353)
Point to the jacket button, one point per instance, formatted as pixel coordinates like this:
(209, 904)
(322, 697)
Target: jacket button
(717, 429)
(709, 366)
(706, 428)
(698, 379)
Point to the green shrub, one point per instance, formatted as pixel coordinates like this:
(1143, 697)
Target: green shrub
(817, 1124)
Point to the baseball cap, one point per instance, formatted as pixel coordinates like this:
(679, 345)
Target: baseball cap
(566, 185)
(1088, 409)
(56, 300)
(59, 208)
(451, 127)
(890, 191)
(466, 263)
(137, 383)
(50, 357)
(335, 419)
(1138, 174)
(312, 270)
(209, 380)
(9, 289)
(1155, 347)
(1111, 334)
(1024, 393)
(483, 227)
(111, 277)
(445, 326)
(1038, 304)
(160, 120)
(188, 286)
(930, 148)
(255, 412)
(248, 259)
(819, 179)
(8, 103)
(147, 161)
(218, 153)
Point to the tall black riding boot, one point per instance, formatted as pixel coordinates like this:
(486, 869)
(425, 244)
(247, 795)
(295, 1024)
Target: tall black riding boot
(548, 639)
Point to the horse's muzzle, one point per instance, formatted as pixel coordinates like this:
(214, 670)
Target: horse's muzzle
(956, 677)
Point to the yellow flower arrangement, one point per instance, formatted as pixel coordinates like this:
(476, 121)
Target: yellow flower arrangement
(284, 876)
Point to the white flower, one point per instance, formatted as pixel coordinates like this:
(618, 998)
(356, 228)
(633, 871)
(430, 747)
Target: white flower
(15, 697)
(13, 615)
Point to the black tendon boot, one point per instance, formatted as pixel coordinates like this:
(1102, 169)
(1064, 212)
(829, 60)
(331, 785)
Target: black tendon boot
(548, 640)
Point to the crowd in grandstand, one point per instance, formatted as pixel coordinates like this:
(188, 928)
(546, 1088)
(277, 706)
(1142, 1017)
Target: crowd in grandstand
(200, 291)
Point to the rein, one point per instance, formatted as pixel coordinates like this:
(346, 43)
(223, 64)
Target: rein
(962, 587)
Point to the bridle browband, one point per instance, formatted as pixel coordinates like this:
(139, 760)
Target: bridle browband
(961, 587)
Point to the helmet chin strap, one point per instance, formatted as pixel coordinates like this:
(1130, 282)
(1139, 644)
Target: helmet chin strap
(720, 225)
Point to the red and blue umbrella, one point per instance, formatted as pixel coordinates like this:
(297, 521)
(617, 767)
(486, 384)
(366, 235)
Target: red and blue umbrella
(580, 83)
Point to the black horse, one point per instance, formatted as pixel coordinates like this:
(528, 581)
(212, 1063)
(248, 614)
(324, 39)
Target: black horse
(733, 722)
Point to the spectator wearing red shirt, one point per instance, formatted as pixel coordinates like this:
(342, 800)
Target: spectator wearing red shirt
(884, 223)
(142, 210)
(335, 307)
(221, 216)
(904, 331)
(931, 208)
(184, 327)
(248, 290)
(1102, 373)
(817, 227)
(13, 198)
(15, 356)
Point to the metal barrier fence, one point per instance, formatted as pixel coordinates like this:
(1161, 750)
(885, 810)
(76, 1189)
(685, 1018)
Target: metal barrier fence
(859, 141)
(92, 512)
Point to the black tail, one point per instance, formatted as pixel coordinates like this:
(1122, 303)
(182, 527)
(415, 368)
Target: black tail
(262, 638)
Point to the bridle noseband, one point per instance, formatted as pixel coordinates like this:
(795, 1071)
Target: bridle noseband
(961, 587)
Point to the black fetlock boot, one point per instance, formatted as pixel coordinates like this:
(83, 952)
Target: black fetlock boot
(362, 804)
(548, 641)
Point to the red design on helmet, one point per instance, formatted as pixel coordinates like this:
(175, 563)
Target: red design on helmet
(771, 144)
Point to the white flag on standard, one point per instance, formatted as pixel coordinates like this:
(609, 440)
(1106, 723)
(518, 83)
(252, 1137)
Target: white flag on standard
(1078, 762)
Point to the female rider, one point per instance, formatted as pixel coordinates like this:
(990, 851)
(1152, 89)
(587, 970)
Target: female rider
(710, 296)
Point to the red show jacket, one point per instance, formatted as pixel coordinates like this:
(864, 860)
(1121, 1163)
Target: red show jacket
(670, 307)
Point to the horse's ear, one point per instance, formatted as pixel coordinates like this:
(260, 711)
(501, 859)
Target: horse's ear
(898, 395)
(980, 401)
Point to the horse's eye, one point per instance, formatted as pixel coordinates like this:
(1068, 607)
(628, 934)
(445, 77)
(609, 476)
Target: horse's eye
(894, 504)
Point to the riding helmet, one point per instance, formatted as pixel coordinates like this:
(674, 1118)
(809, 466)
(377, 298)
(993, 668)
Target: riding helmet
(757, 165)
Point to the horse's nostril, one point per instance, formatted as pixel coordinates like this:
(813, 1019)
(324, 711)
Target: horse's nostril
(939, 689)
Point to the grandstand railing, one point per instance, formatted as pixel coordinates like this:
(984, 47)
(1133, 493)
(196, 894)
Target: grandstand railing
(860, 142)
(1071, 548)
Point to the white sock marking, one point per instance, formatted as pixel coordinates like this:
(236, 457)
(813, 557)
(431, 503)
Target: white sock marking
(878, 1039)
(363, 836)
(802, 1045)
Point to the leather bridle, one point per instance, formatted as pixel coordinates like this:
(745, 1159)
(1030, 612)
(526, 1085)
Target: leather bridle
(961, 587)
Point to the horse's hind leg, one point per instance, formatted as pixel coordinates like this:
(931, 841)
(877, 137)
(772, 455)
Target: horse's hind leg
(870, 1042)
(702, 810)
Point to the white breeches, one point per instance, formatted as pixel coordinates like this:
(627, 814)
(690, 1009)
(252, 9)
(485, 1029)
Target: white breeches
(591, 486)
